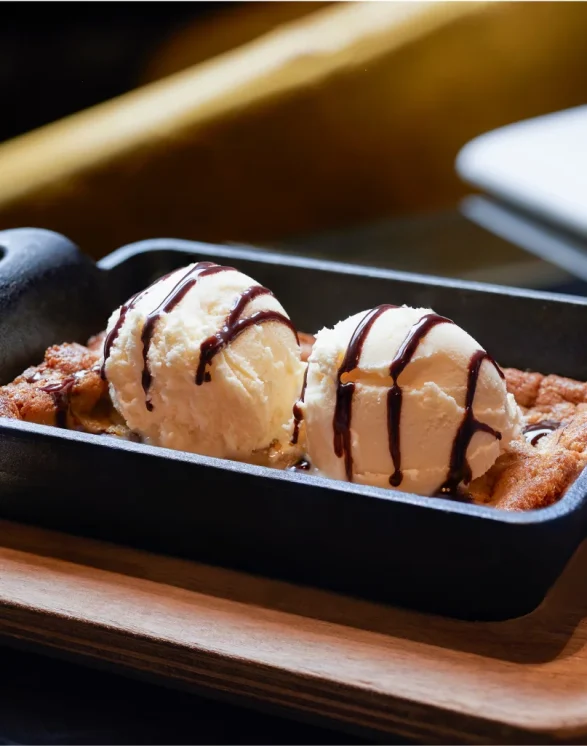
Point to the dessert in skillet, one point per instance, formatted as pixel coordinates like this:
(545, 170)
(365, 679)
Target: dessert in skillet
(207, 360)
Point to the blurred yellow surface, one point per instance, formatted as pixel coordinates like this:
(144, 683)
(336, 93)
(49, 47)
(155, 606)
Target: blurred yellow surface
(237, 25)
(351, 113)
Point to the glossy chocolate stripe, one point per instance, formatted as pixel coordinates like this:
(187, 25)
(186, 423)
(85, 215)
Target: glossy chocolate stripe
(171, 300)
(402, 358)
(341, 421)
(459, 469)
(235, 325)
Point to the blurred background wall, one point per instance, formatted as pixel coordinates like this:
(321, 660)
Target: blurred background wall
(60, 58)
(261, 122)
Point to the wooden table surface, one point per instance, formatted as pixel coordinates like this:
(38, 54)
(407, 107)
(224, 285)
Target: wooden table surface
(362, 666)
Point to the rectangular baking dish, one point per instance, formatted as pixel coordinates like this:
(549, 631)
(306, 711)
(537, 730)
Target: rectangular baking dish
(431, 554)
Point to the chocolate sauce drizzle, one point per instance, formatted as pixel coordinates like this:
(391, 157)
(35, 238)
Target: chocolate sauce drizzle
(167, 305)
(233, 326)
(114, 332)
(112, 336)
(60, 391)
(395, 395)
(459, 469)
(297, 410)
(344, 391)
(534, 433)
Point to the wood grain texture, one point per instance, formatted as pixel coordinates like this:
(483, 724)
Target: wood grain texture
(308, 651)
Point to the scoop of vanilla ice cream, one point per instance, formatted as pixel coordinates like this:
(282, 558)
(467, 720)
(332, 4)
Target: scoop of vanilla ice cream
(244, 402)
(433, 396)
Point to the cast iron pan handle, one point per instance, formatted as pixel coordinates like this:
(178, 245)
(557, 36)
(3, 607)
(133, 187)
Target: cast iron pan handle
(49, 293)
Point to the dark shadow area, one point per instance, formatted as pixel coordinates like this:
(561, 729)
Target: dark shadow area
(50, 701)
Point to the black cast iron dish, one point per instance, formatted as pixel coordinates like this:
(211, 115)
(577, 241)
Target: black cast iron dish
(431, 554)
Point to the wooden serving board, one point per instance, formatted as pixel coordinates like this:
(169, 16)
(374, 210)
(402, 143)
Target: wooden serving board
(313, 654)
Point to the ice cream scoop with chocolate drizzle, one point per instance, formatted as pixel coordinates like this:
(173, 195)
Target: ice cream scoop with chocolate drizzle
(205, 360)
(404, 398)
